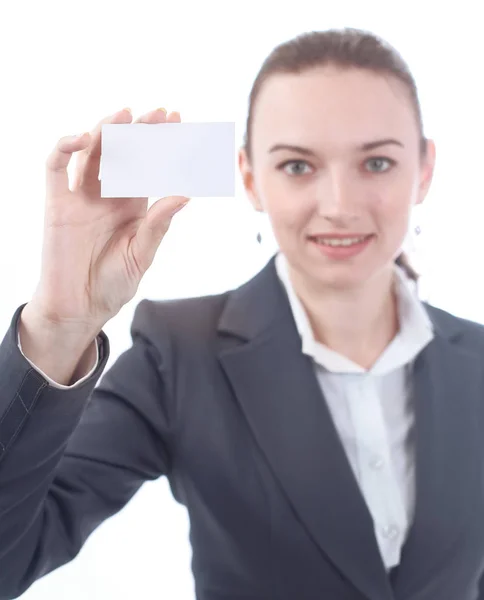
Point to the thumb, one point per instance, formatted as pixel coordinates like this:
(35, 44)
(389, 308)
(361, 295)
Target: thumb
(153, 228)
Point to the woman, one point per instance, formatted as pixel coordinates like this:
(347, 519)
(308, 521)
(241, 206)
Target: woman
(321, 425)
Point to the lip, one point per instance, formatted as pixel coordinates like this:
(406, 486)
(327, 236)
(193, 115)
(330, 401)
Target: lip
(341, 253)
(339, 236)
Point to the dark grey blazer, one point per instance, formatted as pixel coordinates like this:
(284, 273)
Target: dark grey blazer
(215, 394)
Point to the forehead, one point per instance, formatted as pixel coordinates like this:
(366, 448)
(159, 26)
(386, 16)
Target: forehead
(339, 106)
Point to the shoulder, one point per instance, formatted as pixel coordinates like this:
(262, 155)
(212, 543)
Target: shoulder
(464, 331)
(184, 318)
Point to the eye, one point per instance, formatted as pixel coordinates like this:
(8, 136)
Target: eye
(379, 160)
(282, 166)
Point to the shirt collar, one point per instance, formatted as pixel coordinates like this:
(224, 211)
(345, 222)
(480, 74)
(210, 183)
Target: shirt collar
(416, 329)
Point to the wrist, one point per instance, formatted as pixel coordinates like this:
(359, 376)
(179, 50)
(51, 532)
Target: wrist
(74, 332)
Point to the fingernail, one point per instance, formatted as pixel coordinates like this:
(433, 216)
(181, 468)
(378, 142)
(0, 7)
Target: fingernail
(163, 109)
(129, 110)
(179, 207)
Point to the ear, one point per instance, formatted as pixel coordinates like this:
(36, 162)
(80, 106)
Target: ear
(248, 180)
(427, 171)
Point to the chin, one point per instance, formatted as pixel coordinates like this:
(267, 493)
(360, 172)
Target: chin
(342, 281)
(343, 275)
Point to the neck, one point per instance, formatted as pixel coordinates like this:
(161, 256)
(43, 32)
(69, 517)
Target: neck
(357, 323)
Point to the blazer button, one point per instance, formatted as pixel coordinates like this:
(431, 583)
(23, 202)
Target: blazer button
(391, 532)
(376, 463)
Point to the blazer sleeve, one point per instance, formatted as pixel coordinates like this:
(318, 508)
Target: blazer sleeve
(71, 458)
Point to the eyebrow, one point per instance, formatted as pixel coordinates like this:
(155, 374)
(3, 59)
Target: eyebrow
(364, 147)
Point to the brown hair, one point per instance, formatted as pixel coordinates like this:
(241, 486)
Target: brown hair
(344, 48)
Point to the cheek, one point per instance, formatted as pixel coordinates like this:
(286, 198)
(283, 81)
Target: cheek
(392, 219)
(288, 216)
(279, 205)
(287, 209)
(393, 211)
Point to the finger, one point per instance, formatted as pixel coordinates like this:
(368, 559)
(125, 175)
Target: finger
(154, 116)
(57, 180)
(173, 117)
(87, 167)
(159, 115)
(153, 228)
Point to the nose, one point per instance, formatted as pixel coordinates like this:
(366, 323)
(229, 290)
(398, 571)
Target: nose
(336, 197)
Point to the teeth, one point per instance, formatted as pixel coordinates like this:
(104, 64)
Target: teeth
(339, 241)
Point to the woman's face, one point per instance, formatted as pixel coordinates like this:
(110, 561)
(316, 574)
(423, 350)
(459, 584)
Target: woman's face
(332, 186)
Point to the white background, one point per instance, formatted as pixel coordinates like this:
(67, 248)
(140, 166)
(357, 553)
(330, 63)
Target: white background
(67, 64)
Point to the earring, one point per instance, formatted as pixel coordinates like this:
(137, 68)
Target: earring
(259, 238)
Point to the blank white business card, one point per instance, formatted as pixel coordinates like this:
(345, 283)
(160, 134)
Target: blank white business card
(168, 159)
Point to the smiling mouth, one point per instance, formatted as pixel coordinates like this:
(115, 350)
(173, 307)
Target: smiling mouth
(337, 241)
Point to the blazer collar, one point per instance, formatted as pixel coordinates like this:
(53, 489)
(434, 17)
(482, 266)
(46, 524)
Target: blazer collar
(414, 334)
(260, 303)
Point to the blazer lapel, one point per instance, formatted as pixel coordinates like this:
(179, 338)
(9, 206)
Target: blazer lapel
(279, 394)
(447, 399)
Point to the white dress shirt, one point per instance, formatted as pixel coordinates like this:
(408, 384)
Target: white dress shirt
(371, 410)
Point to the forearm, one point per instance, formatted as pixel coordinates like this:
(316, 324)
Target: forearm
(36, 423)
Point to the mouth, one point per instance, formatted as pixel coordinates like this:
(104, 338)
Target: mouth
(340, 246)
(340, 240)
